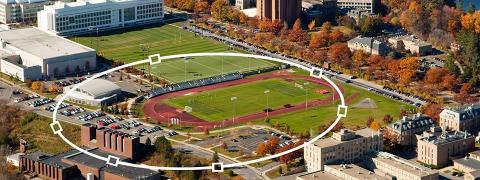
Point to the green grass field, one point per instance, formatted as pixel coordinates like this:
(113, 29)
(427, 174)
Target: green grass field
(301, 121)
(216, 105)
(126, 46)
(178, 70)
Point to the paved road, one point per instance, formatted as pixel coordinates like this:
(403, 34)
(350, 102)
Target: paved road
(247, 173)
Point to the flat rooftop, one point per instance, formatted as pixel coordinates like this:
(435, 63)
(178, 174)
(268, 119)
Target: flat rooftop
(42, 44)
(356, 172)
(403, 164)
(318, 175)
(362, 133)
(447, 137)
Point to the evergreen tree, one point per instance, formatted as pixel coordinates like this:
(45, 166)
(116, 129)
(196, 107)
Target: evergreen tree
(215, 157)
(163, 146)
(148, 141)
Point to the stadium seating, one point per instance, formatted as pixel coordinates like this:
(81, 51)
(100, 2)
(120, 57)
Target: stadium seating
(192, 84)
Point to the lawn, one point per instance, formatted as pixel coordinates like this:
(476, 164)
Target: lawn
(178, 70)
(216, 105)
(133, 44)
(40, 136)
(301, 121)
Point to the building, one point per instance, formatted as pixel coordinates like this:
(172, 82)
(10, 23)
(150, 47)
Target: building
(88, 16)
(14, 159)
(368, 45)
(244, 4)
(319, 10)
(465, 118)
(283, 10)
(437, 150)
(112, 141)
(343, 147)
(31, 54)
(358, 14)
(96, 92)
(469, 163)
(73, 164)
(348, 5)
(16, 11)
(406, 129)
(412, 44)
(394, 167)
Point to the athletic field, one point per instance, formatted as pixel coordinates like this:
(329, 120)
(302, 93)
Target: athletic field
(217, 105)
(133, 44)
(178, 70)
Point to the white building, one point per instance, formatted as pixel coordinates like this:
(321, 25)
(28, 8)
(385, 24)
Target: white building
(357, 4)
(412, 44)
(87, 16)
(14, 11)
(14, 159)
(368, 45)
(31, 54)
(96, 92)
(343, 147)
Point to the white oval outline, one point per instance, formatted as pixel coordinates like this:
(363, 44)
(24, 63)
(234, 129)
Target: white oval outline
(156, 168)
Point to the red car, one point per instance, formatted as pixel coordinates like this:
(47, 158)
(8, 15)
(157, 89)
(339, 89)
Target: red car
(115, 126)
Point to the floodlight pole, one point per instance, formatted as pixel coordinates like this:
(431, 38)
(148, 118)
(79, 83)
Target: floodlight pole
(306, 95)
(185, 66)
(266, 93)
(233, 99)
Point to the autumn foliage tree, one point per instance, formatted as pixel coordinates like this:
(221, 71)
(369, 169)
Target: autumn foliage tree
(38, 86)
(340, 53)
(375, 126)
(432, 111)
(408, 70)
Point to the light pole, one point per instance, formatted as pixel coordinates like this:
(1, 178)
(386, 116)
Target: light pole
(266, 93)
(185, 66)
(306, 95)
(233, 99)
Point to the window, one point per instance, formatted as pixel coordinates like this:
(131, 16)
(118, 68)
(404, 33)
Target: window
(129, 14)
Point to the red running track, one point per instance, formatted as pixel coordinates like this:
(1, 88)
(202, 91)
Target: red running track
(156, 108)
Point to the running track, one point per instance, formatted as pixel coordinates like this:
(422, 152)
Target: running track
(157, 110)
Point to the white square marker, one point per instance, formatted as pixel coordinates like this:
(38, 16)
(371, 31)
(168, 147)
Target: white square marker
(217, 167)
(154, 59)
(56, 128)
(342, 111)
(316, 72)
(112, 160)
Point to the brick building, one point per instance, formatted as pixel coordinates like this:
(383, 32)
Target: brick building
(112, 141)
(284, 10)
(74, 164)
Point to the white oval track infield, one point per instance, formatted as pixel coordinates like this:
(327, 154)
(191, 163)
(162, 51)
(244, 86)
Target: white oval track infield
(314, 72)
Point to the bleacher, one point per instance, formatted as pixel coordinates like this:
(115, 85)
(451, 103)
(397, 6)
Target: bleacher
(193, 84)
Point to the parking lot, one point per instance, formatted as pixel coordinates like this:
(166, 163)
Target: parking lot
(78, 115)
(245, 139)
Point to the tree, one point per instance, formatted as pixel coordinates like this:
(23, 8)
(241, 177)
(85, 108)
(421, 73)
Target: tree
(359, 58)
(243, 19)
(163, 146)
(311, 25)
(369, 121)
(451, 66)
(148, 141)
(464, 96)
(219, 9)
(435, 76)
(375, 126)
(206, 131)
(261, 149)
(319, 39)
(387, 119)
(340, 53)
(336, 36)
(370, 25)
(215, 157)
(37, 86)
(53, 88)
(408, 69)
(326, 26)
(297, 34)
(272, 145)
(432, 111)
(224, 145)
(374, 60)
(449, 82)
